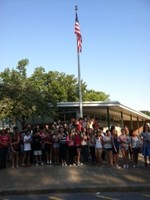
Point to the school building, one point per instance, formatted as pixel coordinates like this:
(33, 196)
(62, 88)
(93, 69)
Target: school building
(107, 113)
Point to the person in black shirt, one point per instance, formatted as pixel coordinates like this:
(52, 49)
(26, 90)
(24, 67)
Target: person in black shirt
(37, 147)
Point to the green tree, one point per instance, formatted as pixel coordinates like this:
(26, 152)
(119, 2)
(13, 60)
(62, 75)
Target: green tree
(91, 95)
(22, 68)
(22, 97)
(18, 99)
(146, 112)
(56, 86)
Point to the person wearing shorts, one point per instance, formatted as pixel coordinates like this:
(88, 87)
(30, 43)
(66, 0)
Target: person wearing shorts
(37, 147)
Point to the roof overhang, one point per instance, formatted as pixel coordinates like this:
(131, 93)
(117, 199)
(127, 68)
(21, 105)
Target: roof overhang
(100, 108)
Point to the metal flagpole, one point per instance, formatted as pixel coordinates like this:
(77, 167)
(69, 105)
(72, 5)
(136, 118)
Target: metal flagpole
(79, 75)
(79, 82)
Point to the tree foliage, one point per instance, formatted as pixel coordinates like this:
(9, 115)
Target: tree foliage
(146, 112)
(18, 99)
(92, 95)
(22, 97)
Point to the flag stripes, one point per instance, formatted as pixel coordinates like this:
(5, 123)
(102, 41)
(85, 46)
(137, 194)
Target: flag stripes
(78, 34)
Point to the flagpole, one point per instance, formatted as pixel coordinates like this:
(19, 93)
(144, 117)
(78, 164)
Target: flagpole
(79, 75)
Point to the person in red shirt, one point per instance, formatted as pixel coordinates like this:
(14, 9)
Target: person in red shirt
(71, 147)
(48, 146)
(79, 125)
(4, 145)
(77, 140)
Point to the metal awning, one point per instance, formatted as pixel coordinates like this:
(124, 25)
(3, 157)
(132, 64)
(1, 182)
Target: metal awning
(100, 108)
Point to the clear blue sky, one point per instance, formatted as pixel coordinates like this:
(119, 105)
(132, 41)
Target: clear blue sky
(116, 43)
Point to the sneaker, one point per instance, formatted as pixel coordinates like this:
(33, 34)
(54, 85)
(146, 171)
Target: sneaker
(118, 167)
(48, 163)
(37, 165)
(74, 164)
(41, 164)
(110, 166)
(79, 164)
(98, 193)
(65, 164)
(127, 166)
(124, 166)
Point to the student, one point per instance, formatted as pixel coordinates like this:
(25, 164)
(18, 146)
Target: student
(48, 147)
(37, 148)
(135, 144)
(63, 147)
(71, 147)
(91, 141)
(145, 136)
(84, 146)
(56, 146)
(42, 135)
(103, 150)
(27, 139)
(98, 148)
(15, 147)
(130, 152)
(77, 141)
(116, 145)
(107, 144)
(4, 145)
(79, 125)
(124, 145)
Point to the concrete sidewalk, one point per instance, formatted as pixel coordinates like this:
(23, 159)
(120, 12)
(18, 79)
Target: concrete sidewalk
(86, 178)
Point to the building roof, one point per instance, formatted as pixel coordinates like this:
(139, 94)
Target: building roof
(100, 108)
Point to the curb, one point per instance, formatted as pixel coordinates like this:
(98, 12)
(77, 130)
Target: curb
(129, 188)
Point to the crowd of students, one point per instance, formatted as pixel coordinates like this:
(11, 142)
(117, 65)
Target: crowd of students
(82, 141)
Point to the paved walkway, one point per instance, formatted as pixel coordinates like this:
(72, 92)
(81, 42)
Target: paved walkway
(86, 178)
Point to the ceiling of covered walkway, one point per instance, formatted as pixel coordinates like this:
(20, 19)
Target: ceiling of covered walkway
(98, 108)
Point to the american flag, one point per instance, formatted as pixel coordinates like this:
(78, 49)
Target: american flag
(78, 34)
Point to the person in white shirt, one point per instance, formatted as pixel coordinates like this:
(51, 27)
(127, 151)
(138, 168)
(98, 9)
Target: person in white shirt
(107, 145)
(135, 146)
(98, 148)
(27, 139)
